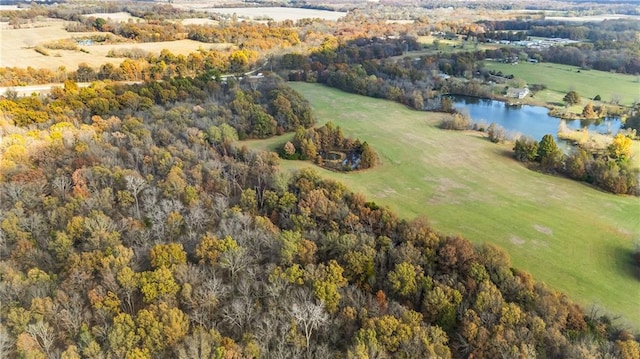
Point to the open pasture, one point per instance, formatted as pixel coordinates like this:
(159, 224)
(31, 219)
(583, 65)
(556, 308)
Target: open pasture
(17, 48)
(571, 236)
(560, 79)
(435, 45)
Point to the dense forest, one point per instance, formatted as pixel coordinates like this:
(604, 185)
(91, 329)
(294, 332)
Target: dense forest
(132, 227)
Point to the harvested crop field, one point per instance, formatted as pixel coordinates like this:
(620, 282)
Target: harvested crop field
(115, 16)
(198, 21)
(592, 18)
(261, 13)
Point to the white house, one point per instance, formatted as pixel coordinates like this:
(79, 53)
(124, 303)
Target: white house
(518, 93)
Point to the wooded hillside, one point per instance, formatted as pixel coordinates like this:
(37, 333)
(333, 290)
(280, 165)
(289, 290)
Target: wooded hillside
(130, 227)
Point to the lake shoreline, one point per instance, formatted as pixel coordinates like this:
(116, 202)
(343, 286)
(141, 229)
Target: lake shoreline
(530, 120)
(510, 102)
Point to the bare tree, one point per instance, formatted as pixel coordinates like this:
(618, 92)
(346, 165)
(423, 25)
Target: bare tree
(309, 315)
(616, 98)
(100, 223)
(199, 345)
(234, 260)
(272, 334)
(44, 335)
(71, 313)
(14, 190)
(37, 226)
(239, 313)
(3, 241)
(5, 342)
(62, 184)
(196, 219)
(136, 185)
(206, 298)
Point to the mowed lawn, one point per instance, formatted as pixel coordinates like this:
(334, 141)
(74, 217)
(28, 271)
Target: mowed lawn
(573, 237)
(560, 79)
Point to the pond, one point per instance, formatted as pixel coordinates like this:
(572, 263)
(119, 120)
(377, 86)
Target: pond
(532, 121)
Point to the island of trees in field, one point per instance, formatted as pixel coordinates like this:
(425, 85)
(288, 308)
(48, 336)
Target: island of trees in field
(328, 147)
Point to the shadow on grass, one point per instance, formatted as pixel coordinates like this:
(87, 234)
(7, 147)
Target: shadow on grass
(626, 264)
(507, 153)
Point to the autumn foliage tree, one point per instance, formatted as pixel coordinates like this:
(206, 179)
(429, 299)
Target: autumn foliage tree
(588, 112)
(571, 98)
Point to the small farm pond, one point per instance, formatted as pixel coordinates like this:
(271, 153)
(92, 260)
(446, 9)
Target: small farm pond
(532, 121)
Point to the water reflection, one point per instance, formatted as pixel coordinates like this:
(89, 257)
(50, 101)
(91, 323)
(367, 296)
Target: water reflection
(532, 121)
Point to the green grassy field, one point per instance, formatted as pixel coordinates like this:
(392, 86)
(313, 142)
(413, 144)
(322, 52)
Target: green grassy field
(444, 46)
(560, 79)
(573, 237)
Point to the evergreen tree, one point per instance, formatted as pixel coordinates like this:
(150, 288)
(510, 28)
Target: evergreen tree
(549, 154)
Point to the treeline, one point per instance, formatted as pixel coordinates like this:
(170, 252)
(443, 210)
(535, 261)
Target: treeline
(253, 108)
(578, 7)
(250, 35)
(612, 45)
(329, 148)
(140, 235)
(162, 66)
(69, 12)
(141, 66)
(417, 83)
(611, 171)
(362, 49)
(503, 35)
(623, 60)
(246, 41)
(606, 30)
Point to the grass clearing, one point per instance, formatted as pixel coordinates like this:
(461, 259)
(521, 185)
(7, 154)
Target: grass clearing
(560, 79)
(573, 237)
(435, 45)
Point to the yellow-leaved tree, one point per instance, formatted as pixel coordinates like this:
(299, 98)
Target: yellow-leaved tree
(620, 149)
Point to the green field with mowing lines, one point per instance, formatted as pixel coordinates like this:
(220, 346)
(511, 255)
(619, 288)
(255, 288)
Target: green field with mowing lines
(560, 79)
(573, 237)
